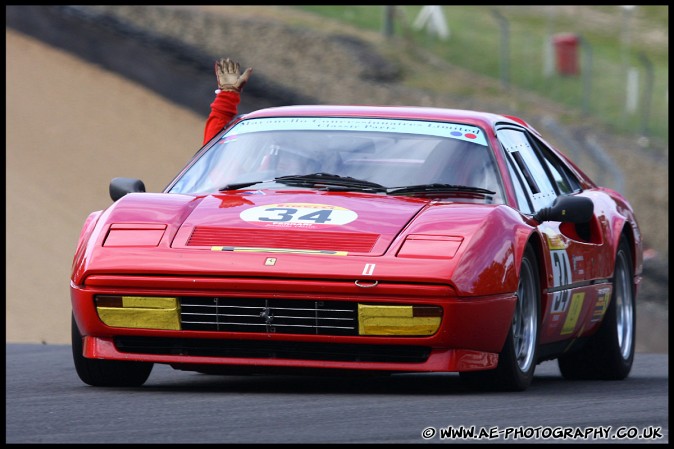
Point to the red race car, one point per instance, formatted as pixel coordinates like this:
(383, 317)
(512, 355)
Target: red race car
(361, 239)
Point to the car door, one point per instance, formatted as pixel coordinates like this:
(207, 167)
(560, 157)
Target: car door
(572, 299)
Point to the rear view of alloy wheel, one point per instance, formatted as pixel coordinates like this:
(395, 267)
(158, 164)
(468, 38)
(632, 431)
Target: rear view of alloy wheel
(609, 353)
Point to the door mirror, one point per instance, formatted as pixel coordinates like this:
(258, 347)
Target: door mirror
(567, 208)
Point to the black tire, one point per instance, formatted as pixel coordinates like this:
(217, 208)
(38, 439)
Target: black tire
(517, 361)
(609, 353)
(106, 373)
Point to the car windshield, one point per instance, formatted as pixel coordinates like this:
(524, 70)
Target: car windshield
(349, 153)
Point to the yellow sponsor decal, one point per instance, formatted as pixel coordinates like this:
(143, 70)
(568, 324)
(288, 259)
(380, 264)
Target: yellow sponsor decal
(555, 241)
(150, 302)
(394, 320)
(138, 318)
(574, 312)
(143, 313)
(603, 297)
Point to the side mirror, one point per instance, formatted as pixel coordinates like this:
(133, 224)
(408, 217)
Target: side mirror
(567, 208)
(121, 186)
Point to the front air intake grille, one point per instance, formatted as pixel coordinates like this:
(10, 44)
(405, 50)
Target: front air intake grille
(264, 349)
(263, 315)
(286, 238)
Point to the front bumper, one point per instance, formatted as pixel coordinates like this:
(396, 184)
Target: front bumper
(470, 335)
(185, 354)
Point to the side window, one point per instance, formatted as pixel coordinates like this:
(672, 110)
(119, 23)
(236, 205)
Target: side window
(561, 182)
(529, 169)
(523, 203)
(564, 179)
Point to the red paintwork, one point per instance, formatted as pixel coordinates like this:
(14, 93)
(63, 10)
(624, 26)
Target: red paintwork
(475, 286)
(468, 324)
(439, 360)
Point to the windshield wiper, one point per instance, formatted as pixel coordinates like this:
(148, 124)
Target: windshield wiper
(240, 185)
(330, 180)
(437, 188)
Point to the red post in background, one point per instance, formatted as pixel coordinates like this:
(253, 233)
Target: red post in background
(566, 53)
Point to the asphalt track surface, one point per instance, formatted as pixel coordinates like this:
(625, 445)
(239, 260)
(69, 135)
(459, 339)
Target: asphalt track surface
(47, 403)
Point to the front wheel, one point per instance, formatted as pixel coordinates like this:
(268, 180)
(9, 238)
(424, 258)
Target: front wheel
(106, 373)
(517, 361)
(609, 353)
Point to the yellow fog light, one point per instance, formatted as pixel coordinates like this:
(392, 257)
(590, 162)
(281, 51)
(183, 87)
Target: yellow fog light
(398, 320)
(140, 312)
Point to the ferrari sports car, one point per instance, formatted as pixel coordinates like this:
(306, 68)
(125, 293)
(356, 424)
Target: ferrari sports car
(361, 239)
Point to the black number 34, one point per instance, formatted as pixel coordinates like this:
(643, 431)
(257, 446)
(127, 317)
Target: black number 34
(290, 214)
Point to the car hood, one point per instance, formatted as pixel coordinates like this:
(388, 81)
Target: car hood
(408, 239)
(302, 221)
(296, 221)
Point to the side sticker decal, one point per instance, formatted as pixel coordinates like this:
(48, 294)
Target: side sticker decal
(574, 313)
(561, 272)
(603, 297)
(555, 242)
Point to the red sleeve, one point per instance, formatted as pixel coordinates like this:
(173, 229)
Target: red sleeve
(223, 110)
